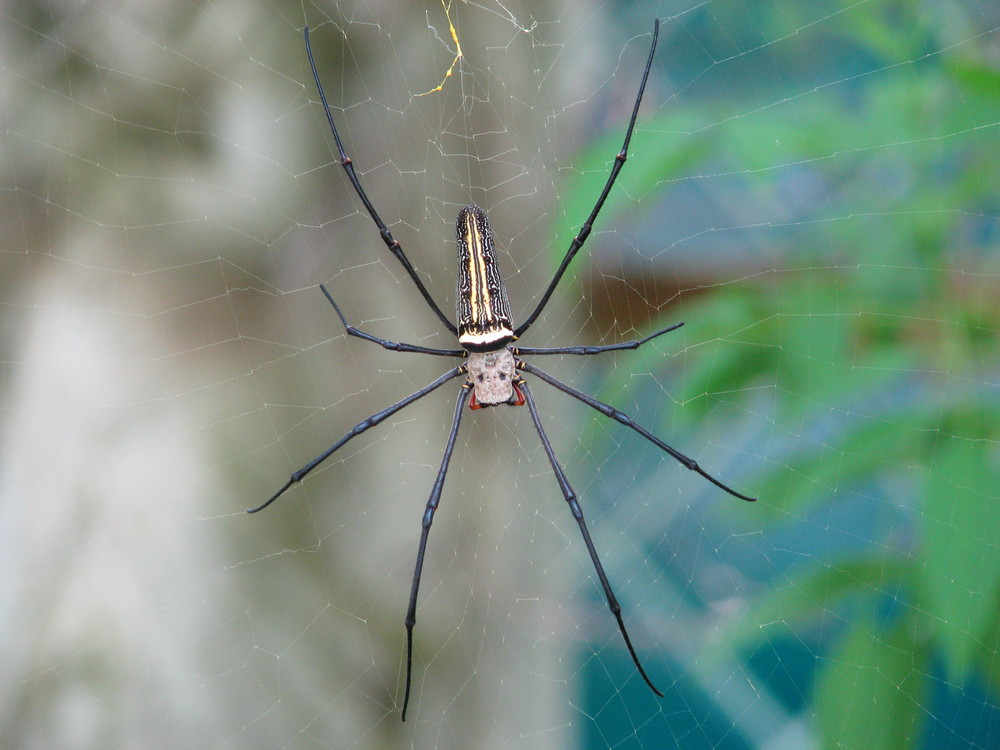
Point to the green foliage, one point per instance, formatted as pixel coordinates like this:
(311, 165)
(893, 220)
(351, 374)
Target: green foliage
(877, 336)
(872, 693)
(960, 575)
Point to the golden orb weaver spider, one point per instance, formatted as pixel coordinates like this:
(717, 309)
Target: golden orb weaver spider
(485, 333)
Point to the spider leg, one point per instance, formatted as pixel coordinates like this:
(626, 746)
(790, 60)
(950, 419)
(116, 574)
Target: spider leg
(610, 411)
(581, 237)
(635, 344)
(360, 427)
(574, 507)
(432, 504)
(391, 345)
(383, 230)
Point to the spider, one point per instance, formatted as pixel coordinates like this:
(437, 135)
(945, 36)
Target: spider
(492, 365)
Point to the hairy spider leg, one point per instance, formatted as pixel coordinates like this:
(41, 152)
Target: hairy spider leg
(360, 427)
(570, 496)
(584, 232)
(345, 161)
(432, 504)
(621, 417)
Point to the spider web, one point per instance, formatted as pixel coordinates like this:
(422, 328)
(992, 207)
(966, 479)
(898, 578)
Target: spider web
(811, 188)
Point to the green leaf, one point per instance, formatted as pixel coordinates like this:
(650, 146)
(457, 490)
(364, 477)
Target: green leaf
(872, 690)
(988, 659)
(866, 449)
(961, 535)
(811, 595)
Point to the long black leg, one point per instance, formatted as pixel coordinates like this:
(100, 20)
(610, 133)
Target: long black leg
(635, 344)
(581, 237)
(360, 427)
(574, 508)
(610, 411)
(432, 504)
(391, 345)
(383, 230)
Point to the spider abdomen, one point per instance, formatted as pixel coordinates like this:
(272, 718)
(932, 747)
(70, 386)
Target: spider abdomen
(484, 323)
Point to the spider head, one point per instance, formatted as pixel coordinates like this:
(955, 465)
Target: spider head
(492, 376)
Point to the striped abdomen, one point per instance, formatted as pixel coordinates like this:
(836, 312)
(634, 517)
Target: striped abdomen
(483, 308)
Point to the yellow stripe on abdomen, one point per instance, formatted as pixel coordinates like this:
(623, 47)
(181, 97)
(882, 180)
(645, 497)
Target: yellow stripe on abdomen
(483, 308)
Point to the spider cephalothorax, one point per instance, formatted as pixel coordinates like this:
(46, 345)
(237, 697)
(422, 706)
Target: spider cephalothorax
(493, 377)
(491, 368)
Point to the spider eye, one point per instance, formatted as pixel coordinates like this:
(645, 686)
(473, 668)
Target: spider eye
(503, 376)
(481, 377)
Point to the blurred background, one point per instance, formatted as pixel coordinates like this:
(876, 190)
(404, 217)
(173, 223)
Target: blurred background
(812, 189)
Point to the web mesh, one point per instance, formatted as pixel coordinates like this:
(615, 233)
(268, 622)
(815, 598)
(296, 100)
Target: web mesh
(811, 189)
